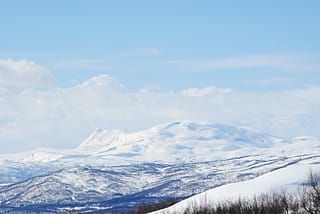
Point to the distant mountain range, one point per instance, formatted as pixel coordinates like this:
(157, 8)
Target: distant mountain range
(115, 170)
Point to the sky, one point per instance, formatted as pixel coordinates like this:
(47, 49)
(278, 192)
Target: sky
(69, 67)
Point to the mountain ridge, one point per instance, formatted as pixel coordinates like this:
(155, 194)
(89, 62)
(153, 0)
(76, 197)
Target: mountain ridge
(116, 169)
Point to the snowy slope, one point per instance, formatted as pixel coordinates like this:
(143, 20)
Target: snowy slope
(128, 186)
(289, 179)
(118, 170)
(167, 143)
(184, 141)
(176, 141)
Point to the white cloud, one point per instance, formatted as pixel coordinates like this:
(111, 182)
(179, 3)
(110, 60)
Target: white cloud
(199, 92)
(63, 117)
(23, 73)
(282, 61)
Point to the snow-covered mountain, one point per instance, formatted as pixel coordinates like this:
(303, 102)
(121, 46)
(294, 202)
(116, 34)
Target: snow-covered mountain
(184, 141)
(166, 143)
(115, 170)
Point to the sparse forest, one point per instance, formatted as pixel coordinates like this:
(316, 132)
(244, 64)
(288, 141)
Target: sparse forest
(305, 201)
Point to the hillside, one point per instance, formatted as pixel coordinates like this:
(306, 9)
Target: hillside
(117, 170)
(288, 179)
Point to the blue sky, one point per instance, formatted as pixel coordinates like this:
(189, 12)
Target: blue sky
(251, 48)
(79, 39)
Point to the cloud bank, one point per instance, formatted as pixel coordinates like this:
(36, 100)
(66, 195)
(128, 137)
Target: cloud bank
(63, 117)
(23, 73)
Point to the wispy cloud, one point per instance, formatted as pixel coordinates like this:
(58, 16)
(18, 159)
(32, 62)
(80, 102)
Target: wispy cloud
(123, 61)
(282, 61)
(148, 51)
(200, 92)
(270, 81)
(90, 63)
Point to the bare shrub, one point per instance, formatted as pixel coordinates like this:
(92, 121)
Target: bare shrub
(310, 194)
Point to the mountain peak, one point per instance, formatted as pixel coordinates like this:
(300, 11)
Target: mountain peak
(99, 139)
(176, 140)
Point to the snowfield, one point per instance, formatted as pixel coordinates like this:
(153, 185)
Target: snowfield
(115, 170)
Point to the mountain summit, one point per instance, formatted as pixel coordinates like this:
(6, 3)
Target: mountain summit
(180, 140)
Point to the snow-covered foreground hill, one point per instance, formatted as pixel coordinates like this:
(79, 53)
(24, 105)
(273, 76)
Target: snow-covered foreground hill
(116, 170)
(288, 179)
